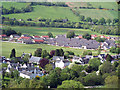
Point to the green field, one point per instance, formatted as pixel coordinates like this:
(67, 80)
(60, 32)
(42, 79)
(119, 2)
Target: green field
(30, 48)
(44, 30)
(14, 4)
(107, 5)
(98, 14)
(46, 12)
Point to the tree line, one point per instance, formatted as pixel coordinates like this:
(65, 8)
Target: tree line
(61, 4)
(16, 10)
(101, 28)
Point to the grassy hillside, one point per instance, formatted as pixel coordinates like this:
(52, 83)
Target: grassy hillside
(94, 13)
(45, 30)
(30, 48)
(17, 5)
(107, 5)
(46, 12)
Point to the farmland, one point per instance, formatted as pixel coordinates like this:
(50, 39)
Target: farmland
(17, 5)
(30, 48)
(98, 14)
(45, 30)
(51, 12)
(55, 31)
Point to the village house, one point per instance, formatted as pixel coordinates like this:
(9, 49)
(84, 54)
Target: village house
(14, 36)
(62, 63)
(77, 59)
(34, 59)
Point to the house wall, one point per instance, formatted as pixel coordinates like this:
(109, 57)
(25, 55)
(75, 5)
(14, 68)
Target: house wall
(24, 76)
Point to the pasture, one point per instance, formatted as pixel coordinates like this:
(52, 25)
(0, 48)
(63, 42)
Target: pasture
(17, 5)
(51, 12)
(44, 30)
(98, 14)
(30, 48)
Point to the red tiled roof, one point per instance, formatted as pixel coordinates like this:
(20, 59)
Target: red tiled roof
(37, 36)
(80, 36)
(46, 36)
(24, 38)
(3, 35)
(38, 40)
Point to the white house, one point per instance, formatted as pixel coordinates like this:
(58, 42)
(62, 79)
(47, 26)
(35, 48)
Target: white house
(26, 74)
(77, 59)
(62, 63)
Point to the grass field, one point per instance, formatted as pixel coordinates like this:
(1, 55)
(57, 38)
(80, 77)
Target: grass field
(55, 31)
(30, 48)
(46, 12)
(45, 30)
(107, 5)
(17, 5)
(98, 14)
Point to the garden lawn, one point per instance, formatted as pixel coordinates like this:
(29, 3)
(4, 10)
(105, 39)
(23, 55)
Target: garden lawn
(30, 48)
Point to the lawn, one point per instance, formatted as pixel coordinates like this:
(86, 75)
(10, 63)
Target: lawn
(51, 12)
(93, 13)
(30, 48)
(45, 30)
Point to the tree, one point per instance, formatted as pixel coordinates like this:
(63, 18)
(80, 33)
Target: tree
(115, 20)
(106, 67)
(24, 83)
(99, 51)
(52, 53)
(108, 21)
(98, 39)
(87, 52)
(44, 54)
(88, 19)
(108, 57)
(86, 36)
(26, 58)
(102, 21)
(92, 79)
(43, 62)
(77, 68)
(50, 34)
(95, 21)
(95, 62)
(70, 34)
(13, 53)
(61, 52)
(36, 84)
(82, 17)
(71, 84)
(57, 53)
(48, 67)
(38, 52)
(111, 81)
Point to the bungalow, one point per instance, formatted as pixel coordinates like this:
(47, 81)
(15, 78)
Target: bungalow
(34, 59)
